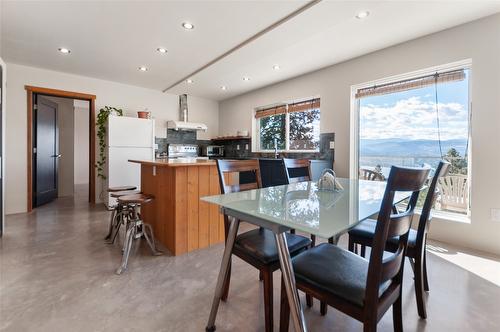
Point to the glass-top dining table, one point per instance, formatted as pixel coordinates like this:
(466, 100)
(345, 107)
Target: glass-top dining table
(300, 206)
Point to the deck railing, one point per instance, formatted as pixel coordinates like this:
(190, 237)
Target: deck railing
(453, 189)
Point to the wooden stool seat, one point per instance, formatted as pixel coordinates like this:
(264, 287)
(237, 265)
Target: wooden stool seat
(135, 199)
(116, 194)
(121, 188)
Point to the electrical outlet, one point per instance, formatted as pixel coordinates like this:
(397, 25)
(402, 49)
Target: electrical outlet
(332, 145)
(246, 146)
(156, 146)
(495, 214)
(237, 147)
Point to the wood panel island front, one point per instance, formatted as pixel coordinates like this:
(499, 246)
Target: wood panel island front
(180, 220)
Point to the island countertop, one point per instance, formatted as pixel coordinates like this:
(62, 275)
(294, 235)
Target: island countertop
(175, 162)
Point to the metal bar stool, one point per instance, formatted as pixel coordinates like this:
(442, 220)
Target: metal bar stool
(136, 228)
(119, 214)
(115, 212)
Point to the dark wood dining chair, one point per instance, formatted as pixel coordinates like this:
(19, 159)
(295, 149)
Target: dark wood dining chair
(364, 234)
(257, 247)
(362, 289)
(366, 174)
(297, 170)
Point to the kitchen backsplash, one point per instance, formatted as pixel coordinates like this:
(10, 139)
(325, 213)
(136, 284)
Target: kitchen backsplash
(178, 137)
(237, 149)
(240, 148)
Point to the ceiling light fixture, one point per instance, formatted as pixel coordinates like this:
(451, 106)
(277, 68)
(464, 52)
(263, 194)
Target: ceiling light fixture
(189, 81)
(161, 50)
(276, 67)
(223, 88)
(362, 15)
(246, 78)
(142, 68)
(187, 26)
(64, 50)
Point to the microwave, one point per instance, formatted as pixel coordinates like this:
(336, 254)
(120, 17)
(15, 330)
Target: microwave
(213, 151)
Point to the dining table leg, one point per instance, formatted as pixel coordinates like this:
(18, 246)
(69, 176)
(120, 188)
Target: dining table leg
(289, 282)
(224, 267)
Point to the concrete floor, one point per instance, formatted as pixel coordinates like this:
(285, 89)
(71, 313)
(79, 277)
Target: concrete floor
(58, 275)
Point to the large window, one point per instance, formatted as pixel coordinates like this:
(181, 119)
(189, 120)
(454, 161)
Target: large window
(418, 122)
(289, 127)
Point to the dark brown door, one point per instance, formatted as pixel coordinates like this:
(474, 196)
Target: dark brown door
(45, 151)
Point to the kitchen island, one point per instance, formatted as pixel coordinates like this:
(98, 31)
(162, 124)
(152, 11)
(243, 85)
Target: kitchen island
(181, 222)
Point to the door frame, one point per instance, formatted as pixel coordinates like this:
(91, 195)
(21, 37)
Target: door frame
(30, 91)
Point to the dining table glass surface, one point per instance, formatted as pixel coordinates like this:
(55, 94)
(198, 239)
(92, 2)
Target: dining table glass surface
(303, 207)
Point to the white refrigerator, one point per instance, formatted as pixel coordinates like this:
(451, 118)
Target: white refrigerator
(127, 138)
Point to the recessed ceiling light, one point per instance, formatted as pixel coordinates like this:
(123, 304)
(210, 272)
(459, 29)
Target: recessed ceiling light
(362, 15)
(187, 26)
(276, 67)
(189, 81)
(223, 88)
(142, 68)
(246, 78)
(161, 50)
(64, 50)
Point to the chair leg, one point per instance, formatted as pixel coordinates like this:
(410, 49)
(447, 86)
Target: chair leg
(261, 277)
(119, 218)
(323, 308)
(284, 310)
(419, 288)
(426, 281)
(309, 300)
(268, 299)
(227, 281)
(351, 244)
(111, 224)
(397, 315)
(129, 239)
(363, 250)
(313, 241)
(371, 326)
(150, 239)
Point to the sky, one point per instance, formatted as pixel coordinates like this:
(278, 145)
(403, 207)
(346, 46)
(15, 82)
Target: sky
(412, 114)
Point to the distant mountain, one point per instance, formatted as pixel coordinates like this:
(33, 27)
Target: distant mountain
(409, 148)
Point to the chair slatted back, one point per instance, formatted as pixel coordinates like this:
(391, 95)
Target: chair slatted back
(391, 223)
(366, 174)
(425, 217)
(297, 164)
(226, 167)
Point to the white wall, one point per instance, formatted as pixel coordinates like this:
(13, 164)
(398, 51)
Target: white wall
(163, 106)
(81, 144)
(479, 41)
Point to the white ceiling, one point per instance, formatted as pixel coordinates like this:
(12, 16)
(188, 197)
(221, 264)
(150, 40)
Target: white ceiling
(110, 40)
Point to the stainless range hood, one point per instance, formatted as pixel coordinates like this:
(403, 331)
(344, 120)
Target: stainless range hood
(183, 123)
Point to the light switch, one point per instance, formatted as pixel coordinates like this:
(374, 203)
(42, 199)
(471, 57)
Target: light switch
(246, 146)
(237, 147)
(332, 144)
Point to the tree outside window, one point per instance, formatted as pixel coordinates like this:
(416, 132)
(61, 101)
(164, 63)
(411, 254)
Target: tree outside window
(296, 130)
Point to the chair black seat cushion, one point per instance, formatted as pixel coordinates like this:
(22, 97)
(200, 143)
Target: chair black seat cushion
(334, 270)
(261, 244)
(366, 229)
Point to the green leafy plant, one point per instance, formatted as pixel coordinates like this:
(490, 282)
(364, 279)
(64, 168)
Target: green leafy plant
(102, 118)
